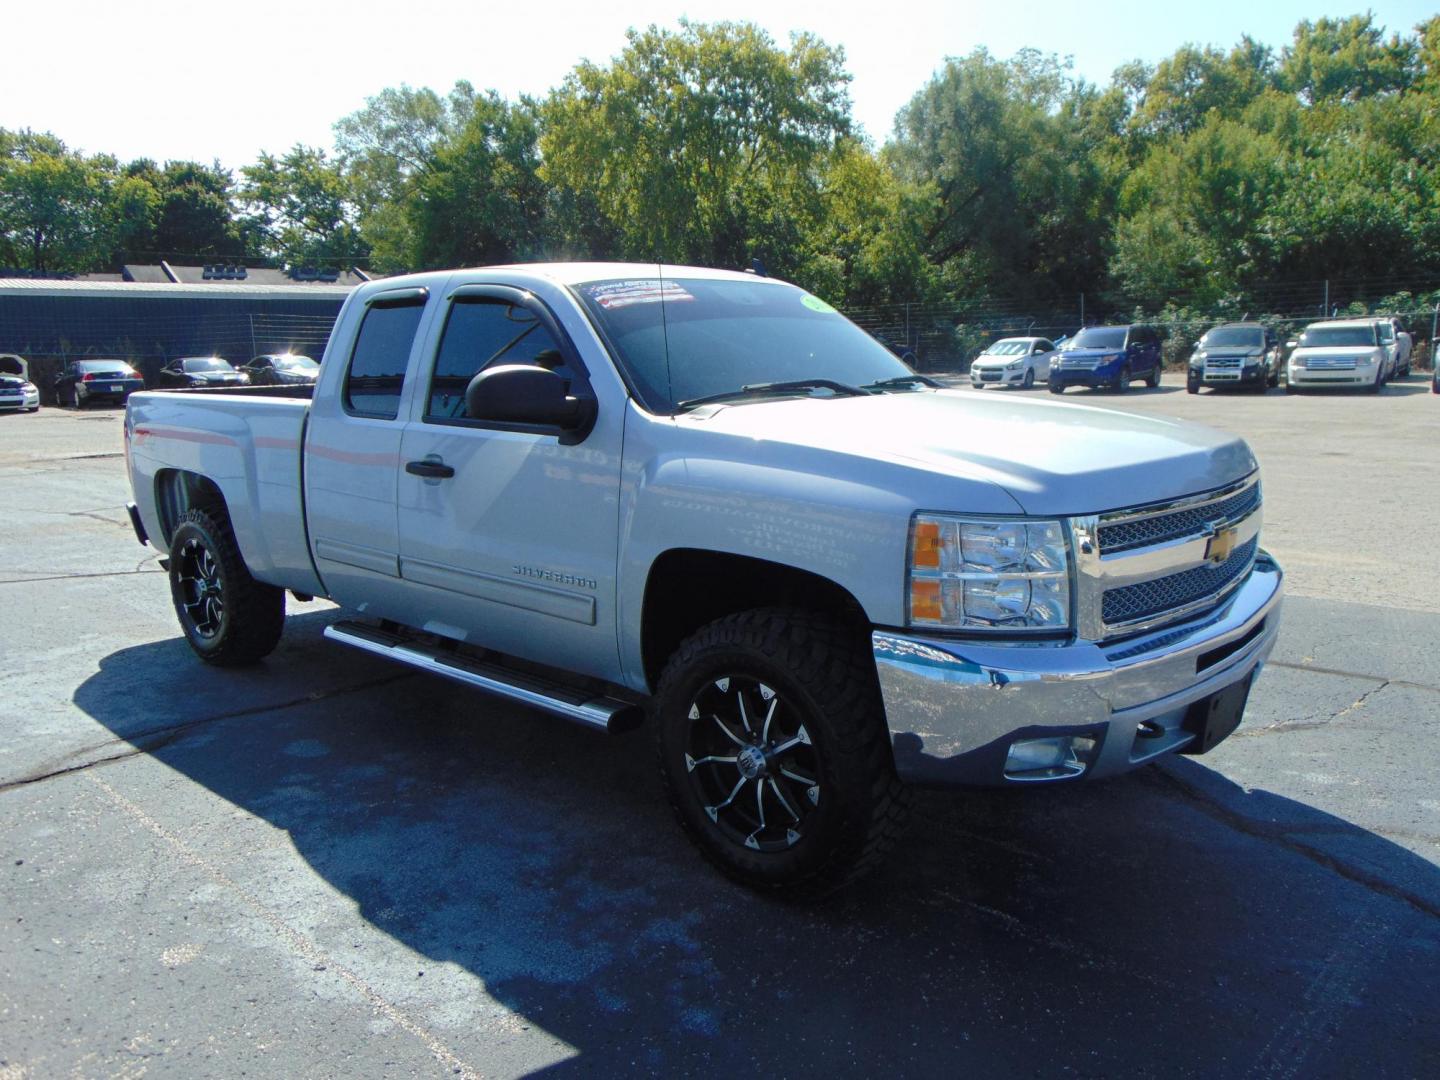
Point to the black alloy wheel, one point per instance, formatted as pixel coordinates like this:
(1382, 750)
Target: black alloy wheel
(228, 617)
(1153, 379)
(774, 751)
(1121, 383)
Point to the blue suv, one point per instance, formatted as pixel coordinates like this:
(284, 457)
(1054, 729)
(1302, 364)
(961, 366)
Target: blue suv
(1107, 357)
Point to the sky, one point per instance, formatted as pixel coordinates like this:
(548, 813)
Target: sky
(208, 81)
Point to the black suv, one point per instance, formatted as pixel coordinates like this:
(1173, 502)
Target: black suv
(1236, 354)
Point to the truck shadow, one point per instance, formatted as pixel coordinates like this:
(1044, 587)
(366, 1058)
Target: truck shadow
(1169, 922)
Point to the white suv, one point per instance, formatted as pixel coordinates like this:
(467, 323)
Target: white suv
(1341, 352)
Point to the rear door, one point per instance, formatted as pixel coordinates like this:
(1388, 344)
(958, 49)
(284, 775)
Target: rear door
(513, 545)
(352, 454)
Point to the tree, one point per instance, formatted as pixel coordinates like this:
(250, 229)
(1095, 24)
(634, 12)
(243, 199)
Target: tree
(385, 150)
(1346, 59)
(194, 214)
(1189, 216)
(698, 145)
(300, 210)
(1193, 82)
(53, 205)
(1013, 180)
(481, 199)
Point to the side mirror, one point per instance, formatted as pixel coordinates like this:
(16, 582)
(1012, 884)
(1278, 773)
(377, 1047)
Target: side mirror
(524, 394)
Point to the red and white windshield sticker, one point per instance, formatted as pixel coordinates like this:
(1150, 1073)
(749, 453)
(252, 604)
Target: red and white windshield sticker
(618, 294)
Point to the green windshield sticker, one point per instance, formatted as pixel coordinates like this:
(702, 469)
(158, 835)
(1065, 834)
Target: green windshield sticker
(814, 303)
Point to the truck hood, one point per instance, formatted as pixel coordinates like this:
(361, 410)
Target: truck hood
(1054, 458)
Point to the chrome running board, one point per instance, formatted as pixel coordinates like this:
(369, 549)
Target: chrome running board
(606, 713)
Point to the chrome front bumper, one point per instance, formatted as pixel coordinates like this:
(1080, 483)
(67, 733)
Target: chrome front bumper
(955, 707)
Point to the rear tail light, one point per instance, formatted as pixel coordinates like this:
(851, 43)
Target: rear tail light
(88, 378)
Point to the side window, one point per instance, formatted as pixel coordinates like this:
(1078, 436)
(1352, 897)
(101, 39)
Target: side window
(482, 333)
(1044, 346)
(377, 366)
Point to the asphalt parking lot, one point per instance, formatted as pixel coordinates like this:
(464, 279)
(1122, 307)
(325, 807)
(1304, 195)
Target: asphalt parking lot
(325, 866)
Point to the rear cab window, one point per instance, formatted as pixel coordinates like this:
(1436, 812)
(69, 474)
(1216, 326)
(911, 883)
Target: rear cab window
(375, 374)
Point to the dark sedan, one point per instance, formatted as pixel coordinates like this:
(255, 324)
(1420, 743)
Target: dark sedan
(86, 381)
(201, 371)
(281, 369)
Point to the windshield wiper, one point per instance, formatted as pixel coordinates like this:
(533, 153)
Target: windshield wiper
(761, 389)
(902, 380)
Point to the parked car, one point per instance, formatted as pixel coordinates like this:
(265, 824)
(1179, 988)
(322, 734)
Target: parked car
(1236, 354)
(1339, 352)
(1399, 343)
(86, 381)
(16, 390)
(1013, 361)
(709, 503)
(281, 369)
(1107, 357)
(190, 371)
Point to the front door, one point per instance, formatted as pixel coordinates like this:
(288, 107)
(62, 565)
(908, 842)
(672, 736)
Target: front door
(508, 535)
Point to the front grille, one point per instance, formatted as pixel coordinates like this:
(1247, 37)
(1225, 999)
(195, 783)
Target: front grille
(1079, 365)
(1193, 521)
(1146, 598)
(1226, 363)
(1330, 363)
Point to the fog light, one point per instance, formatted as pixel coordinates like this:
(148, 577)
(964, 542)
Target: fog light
(1057, 758)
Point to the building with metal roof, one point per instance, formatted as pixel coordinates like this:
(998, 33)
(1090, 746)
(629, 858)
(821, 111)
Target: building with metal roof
(50, 322)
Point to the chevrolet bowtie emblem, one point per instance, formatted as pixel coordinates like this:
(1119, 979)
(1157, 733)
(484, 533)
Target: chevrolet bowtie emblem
(1221, 545)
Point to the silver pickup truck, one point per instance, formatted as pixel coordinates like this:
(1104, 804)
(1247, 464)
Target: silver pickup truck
(708, 502)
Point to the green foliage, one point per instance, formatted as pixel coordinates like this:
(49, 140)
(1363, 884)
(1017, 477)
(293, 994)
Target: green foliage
(299, 209)
(194, 216)
(53, 204)
(482, 200)
(385, 150)
(1346, 59)
(700, 146)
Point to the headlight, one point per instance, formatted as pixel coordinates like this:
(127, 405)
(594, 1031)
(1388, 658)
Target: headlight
(988, 575)
(1015, 365)
(1365, 361)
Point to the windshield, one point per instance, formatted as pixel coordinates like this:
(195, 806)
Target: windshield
(1232, 336)
(1321, 337)
(295, 363)
(1007, 348)
(1098, 337)
(205, 363)
(681, 339)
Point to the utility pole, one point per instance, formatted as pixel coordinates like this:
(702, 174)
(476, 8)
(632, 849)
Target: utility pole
(1325, 308)
(1082, 309)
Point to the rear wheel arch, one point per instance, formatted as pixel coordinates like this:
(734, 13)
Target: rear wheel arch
(177, 491)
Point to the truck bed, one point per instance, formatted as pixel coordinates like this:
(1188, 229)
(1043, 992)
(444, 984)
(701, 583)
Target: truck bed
(248, 442)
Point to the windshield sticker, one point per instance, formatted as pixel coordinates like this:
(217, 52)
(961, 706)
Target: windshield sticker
(619, 294)
(814, 303)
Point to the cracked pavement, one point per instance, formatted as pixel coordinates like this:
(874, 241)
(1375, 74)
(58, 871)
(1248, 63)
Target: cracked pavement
(327, 866)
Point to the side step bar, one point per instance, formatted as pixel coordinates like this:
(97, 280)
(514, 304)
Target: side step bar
(606, 713)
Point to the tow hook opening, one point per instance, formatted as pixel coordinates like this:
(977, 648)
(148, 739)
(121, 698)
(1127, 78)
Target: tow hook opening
(1059, 757)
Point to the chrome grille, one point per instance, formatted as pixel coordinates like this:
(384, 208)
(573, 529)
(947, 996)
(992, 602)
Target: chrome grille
(1193, 521)
(1225, 363)
(1146, 598)
(1330, 363)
